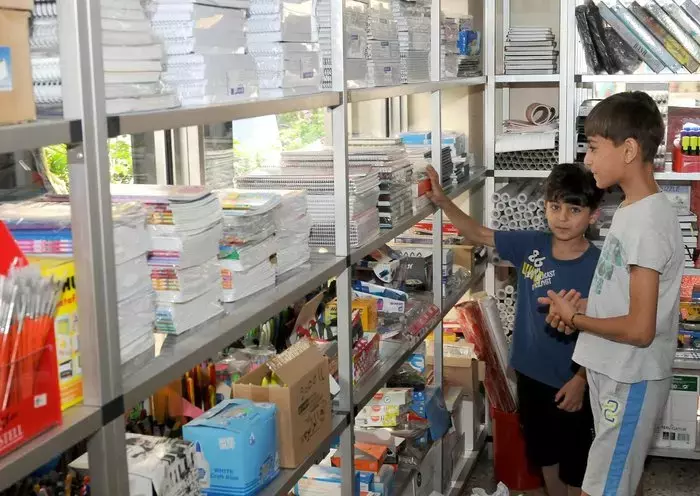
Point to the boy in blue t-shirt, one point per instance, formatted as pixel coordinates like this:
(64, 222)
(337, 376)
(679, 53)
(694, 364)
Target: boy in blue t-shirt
(555, 412)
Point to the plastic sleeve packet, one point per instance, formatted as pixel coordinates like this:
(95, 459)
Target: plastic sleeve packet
(646, 37)
(595, 26)
(631, 38)
(670, 24)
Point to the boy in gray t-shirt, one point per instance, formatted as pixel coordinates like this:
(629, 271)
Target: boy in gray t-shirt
(627, 337)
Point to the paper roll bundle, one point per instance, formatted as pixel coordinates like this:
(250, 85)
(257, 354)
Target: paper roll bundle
(518, 205)
(476, 331)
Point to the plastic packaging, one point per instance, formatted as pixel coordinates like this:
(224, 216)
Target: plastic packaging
(595, 25)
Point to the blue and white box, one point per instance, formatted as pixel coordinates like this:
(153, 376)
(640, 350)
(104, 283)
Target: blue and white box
(235, 447)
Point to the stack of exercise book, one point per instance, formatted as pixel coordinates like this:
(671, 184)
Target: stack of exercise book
(530, 50)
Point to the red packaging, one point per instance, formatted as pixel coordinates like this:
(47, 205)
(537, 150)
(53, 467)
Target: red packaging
(37, 404)
(365, 355)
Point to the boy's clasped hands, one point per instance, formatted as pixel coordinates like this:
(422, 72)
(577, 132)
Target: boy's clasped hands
(563, 306)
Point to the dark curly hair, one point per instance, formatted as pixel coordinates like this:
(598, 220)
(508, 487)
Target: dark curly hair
(573, 184)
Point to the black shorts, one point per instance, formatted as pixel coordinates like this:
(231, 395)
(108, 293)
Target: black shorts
(553, 436)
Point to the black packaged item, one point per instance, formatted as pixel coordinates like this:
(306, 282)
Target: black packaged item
(624, 55)
(588, 48)
(595, 25)
(419, 273)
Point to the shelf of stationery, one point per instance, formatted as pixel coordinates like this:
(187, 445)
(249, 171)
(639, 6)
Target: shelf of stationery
(287, 478)
(526, 78)
(393, 354)
(48, 132)
(79, 422)
(543, 174)
(476, 178)
(380, 92)
(637, 78)
(178, 353)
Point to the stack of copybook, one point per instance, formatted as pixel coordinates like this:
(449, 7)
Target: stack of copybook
(43, 228)
(248, 245)
(530, 50)
(185, 227)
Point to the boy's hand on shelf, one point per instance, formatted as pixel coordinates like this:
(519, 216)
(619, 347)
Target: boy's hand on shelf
(570, 397)
(436, 194)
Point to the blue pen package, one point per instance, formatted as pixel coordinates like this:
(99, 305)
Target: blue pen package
(381, 291)
(235, 447)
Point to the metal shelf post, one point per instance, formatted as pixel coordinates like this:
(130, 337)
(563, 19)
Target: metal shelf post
(91, 212)
(339, 118)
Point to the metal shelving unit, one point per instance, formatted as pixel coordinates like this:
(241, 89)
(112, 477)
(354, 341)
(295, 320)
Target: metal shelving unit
(109, 388)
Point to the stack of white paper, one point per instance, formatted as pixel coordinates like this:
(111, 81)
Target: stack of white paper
(185, 227)
(218, 163)
(293, 227)
(133, 61)
(205, 50)
(449, 35)
(356, 18)
(413, 23)
(248, 244)
(385, 69)
(283, 40)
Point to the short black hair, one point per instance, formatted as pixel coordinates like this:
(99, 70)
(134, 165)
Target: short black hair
(573, 184)
(631, 114)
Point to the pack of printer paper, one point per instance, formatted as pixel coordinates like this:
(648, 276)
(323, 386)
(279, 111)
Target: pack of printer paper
(235, 447)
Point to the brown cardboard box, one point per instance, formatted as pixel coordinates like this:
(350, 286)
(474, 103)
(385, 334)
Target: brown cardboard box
(303, 402)
(17, 4)
(16, 90)
(458, 371)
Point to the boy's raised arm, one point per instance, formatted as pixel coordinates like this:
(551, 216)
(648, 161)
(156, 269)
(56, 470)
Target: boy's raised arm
(637, 328)
(473, 232)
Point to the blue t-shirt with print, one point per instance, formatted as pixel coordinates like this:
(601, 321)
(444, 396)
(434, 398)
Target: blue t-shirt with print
(539, 351)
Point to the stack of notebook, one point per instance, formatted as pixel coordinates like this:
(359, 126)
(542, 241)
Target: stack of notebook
(530, 50)
(313, 172)
(293, 227)
(355, 51)
(283, 40)
(389, 158)
(46, 67)
(383, 58)
(44, 228)
(205, 47)
(185, 227)
(248, 245)
(133, 61)
(413, 24)
(218, 163)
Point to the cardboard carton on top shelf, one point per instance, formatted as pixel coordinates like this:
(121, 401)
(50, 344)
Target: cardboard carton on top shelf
(17, 4)
(16, 90)
(303, 400)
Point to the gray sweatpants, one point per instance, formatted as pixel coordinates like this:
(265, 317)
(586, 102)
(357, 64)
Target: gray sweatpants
(625, 416)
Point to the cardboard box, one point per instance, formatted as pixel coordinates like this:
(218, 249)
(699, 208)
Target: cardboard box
(368, 457)
(70, 374)
(459, 371)
(17, 5)
(678, 426)
(16, 89)
(303, 402)
(366, 306)
(235, 447)
(392, 396)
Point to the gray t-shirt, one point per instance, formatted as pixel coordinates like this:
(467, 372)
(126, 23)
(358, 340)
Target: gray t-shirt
(646, 234)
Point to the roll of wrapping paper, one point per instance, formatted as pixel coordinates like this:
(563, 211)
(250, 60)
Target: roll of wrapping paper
(474, 325)
(489, 309)
(27, 311)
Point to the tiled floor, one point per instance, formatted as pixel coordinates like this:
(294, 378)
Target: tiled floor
(663, 477)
